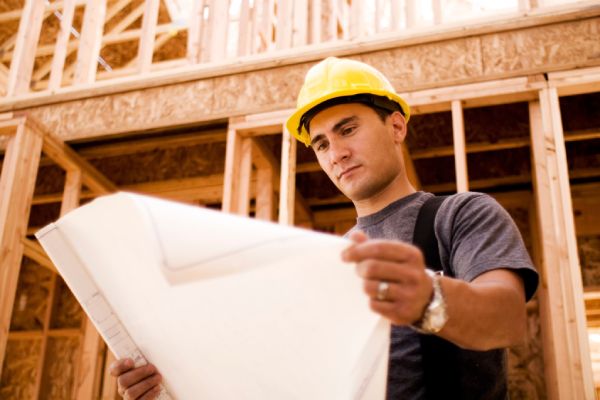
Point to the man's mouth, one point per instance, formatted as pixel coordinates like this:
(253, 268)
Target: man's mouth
(346, 171)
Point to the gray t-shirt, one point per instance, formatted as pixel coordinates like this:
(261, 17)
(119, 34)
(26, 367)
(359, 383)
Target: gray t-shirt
(475, 234)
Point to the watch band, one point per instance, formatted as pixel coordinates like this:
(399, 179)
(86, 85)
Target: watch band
(435, 315)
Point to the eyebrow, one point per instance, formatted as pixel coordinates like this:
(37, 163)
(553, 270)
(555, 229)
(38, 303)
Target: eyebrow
(336, 128)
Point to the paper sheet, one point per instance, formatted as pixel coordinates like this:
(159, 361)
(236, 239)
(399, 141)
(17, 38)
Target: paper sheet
(226, 307)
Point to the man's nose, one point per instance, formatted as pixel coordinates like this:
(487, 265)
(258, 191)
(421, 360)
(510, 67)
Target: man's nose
(338, 152)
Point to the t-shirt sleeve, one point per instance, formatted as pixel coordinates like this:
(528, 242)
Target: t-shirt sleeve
(476, 235)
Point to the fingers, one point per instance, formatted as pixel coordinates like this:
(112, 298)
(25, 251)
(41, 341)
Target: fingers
(382, 250)
(358, 236)
(121, 366)
(373, 269)
(134, 383)
(144, 389)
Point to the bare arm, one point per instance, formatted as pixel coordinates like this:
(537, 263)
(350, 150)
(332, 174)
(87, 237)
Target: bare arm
(487, 313)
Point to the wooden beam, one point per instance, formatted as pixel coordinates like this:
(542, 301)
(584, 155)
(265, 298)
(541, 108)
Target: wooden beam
(300, 23)
(148, 35)
(411, 171)
(287, 186)
(283, 32)
(566, 350)
(316, 9)
(17, 182)
(21, 65)
(301, 205)
(265, 194)
(244, 28)
(195, 32)
(72, 45)
(60, 48)
(411, 13)
(218, 25)
(460, 154)
(231, 179)
(90, 42)
(357, 19)
(245, 179)
(69, 160)
(34, 251)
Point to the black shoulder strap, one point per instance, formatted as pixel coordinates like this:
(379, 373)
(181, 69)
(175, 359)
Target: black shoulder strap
(424, 234)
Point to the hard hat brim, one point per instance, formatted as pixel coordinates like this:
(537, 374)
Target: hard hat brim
(303, 136)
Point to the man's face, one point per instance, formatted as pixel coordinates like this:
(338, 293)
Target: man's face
(360, 153)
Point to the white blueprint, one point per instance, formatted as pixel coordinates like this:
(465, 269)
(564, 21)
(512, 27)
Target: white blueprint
(226, 307)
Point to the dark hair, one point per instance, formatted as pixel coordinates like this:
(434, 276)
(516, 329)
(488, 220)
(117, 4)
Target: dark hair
(380, 104)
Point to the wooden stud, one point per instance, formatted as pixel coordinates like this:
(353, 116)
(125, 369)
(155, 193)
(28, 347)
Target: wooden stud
(109, 383)
(69, 160)
(287, 186)
(283, 33)
(263, 153)
(265, 190)
(411, 171)
(60, 48)
(74, 44)
(245, 168)
(17, 182)
(148, 36)
(300, 21)
(396, 17)
(566, 353)
(266, 30)
(412, 15)
(194, 41)
(438, 12)
(218, 25)
(34, 251)
(315, 21)
(21, 66)
(244, 28)
(357, 19)
(460, 154)
(90, 42)
(231, 178)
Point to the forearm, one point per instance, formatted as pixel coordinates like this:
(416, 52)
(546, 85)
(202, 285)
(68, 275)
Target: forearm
(486, 313)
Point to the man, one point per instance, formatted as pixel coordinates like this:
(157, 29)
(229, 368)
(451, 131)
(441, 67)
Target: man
(448, 331)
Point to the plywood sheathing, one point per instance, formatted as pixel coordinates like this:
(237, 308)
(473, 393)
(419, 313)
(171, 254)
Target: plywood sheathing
(427, 65)
(31, 299)
(589, 257)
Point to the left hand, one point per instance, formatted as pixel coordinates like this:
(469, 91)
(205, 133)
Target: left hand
(399, 264)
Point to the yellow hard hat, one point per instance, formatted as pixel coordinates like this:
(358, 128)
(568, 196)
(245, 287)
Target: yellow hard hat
(336, 77)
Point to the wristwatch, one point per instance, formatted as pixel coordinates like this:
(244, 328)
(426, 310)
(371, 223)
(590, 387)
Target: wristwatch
(435, 315)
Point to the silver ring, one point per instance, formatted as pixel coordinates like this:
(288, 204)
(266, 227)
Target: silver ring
(382, 290)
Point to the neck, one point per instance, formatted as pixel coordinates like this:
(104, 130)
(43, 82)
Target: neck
(397, 189)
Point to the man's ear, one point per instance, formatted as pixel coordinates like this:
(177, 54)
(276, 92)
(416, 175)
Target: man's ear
(399, 126)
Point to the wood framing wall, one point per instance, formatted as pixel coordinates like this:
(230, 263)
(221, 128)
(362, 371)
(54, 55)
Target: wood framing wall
(231, 122)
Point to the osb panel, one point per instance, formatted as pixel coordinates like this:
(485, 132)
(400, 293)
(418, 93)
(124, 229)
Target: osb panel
(521, 217)
(435, 170)
(589, 258)
(544, 47)
(50, 179)
(451, 60)
(7, 30)
(271, 87)
(67, 313)
(510, 121)
(429, 130)
(580, 112)
(42, 214)
(117, 55)
(141, 109)
(497, 164)
(20, 369)
(59, 368)
(526, 363)
(31, 300)
(584, 154)
(175, 47)
(9, 5)
(158, 165)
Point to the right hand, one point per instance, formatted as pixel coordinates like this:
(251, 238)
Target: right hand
(136, 383)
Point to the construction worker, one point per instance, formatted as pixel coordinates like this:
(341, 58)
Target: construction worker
(449, 329)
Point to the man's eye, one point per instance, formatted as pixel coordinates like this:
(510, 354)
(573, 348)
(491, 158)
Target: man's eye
(348, 130)
(321, 146)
